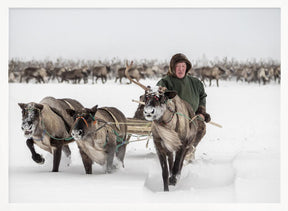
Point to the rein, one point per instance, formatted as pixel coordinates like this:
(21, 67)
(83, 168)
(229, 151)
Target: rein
(180, 114)
(169, 120)
(53, 137)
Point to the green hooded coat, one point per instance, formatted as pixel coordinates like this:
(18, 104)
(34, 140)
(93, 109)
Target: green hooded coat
(188, 88)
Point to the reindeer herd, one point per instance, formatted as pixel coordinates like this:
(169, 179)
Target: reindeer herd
(91, 71)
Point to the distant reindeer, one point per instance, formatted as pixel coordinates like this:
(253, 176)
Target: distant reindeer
(57, 73)
(75, 75)
(213, 73)
(262, 75)
(37, 73)
(100, 72)
(133, 73)
(277, 74)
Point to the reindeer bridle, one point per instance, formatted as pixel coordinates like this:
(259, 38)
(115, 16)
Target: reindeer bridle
(81, 116)
(157, 97)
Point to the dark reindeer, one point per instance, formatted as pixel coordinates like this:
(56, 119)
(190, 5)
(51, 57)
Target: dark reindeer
(99, 136)
(211, 73)
(38, 73)
(47, 125)
(75, 75)
(57, 73)
(100, 72)
(172, 133)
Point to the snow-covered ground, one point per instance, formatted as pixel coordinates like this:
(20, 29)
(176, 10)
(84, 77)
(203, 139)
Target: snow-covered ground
(239, 163)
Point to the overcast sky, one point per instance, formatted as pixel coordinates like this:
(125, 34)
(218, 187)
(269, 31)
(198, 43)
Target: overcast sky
(144, 33)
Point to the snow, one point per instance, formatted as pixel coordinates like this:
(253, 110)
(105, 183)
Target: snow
(239, 163)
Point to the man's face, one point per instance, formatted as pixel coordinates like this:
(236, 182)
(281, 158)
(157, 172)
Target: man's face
(180, 69)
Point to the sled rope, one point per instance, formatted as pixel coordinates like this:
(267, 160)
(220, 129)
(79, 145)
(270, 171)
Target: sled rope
(53, 137)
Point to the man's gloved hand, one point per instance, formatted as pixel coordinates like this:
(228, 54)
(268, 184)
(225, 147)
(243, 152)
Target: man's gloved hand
(202, 112)
(207, 117)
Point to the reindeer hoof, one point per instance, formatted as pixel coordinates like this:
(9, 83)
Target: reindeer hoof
(108, 171)
(38, 159)
(172, 180)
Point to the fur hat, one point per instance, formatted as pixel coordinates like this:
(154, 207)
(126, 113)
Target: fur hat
(179, 57)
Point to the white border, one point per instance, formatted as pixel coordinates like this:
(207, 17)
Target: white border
(4, 145)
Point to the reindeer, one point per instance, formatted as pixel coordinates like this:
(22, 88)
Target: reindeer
(262, 75)
(133, 73)
(172, 133)
(211, 73)
(277, 74)
(100, 72)
(99, 136)
(76, 75)
(34, 72)
(57, 73)
(47, 125)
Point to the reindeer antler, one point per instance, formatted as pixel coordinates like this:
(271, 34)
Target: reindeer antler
(128, 67)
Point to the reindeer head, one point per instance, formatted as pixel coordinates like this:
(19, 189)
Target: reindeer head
(30, 117)
(154, 100)
(83, 121)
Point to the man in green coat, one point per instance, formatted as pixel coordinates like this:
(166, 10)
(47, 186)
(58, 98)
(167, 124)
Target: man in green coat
(189, 89)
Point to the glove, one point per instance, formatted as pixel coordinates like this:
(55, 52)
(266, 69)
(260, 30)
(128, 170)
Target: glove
(207, 117)
(202, 110)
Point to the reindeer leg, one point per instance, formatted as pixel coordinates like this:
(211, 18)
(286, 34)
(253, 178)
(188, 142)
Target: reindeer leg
(165, 172)
(179, 158)
(163, 162)
(57, 151)
(87, 162)
(67, 152)
(182, 161)
(170, 161)
(110, 158)
(120, 154)
(201, 131)
(35, 156)
(42, 79)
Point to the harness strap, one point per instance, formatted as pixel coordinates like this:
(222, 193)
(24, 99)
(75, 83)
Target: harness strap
(69, 104)
(81, 117)
(53, 137)
(118, 139)
(113, 116)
